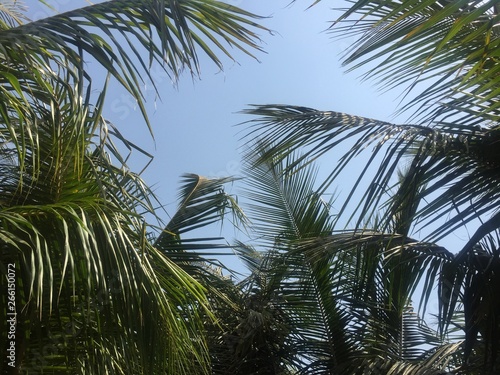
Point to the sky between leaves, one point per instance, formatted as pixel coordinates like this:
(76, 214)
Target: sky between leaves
(195, 122)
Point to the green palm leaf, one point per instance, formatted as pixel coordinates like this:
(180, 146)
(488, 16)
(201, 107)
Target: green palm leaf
(346, 293)
(70, 222)
(449, 180)
(448, 46)
(285, 209)
(283, 203)
(12, 14)
(202, 202)
(450, 159)
(171, 32)
(92, 291)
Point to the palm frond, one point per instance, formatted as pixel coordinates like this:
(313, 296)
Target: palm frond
(283, 204)
(285, 209)
(259, 341)
(388, 267)
(12, 14)
(468, 282)
(90, 285)
(453, 162)
(70, 222)
(203, 201)
(115, 34)
(344, 295)
(448, 46)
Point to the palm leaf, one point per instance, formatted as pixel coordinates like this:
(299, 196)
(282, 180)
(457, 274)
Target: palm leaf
(283, 204)
(285, 209)
(344, 295)
(258, 341)
(171, 32)
(202, 202)
(91, 288)
(447, 46)
(70, 222)
(12, 13)
(450, 159)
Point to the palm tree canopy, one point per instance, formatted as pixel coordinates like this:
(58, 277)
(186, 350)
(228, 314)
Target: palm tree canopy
(320, 300)
(92, 290)
(435, 175)
(71, 224)
(454, 158)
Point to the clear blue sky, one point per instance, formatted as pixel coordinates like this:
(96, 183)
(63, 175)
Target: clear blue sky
(194, 123)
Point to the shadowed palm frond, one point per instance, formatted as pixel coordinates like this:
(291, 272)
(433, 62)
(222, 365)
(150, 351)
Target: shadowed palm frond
(467, 284)
(202, 202)
(454, 163)
(257, 338)
(447, 46)
(343, 296)
(434, 179)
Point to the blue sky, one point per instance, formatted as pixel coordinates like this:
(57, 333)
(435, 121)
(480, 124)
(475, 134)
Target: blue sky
(195, 123)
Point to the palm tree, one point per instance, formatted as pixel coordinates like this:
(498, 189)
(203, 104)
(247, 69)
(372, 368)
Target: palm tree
(451, 174)
(87, 287)
(319, 300)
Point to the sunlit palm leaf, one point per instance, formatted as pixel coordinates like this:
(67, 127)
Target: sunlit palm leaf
(203, 201)
(92, 292)
(12, 13)
(172, 34)
(84, 267)
(283, 203)
(285, 209)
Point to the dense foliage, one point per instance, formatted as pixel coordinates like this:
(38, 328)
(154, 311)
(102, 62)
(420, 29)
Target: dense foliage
(432, 177)
(88, 290)
(333, 285)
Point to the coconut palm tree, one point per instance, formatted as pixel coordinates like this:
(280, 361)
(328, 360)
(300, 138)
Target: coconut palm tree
(445, 160)
(319, 300)
(88, 290)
